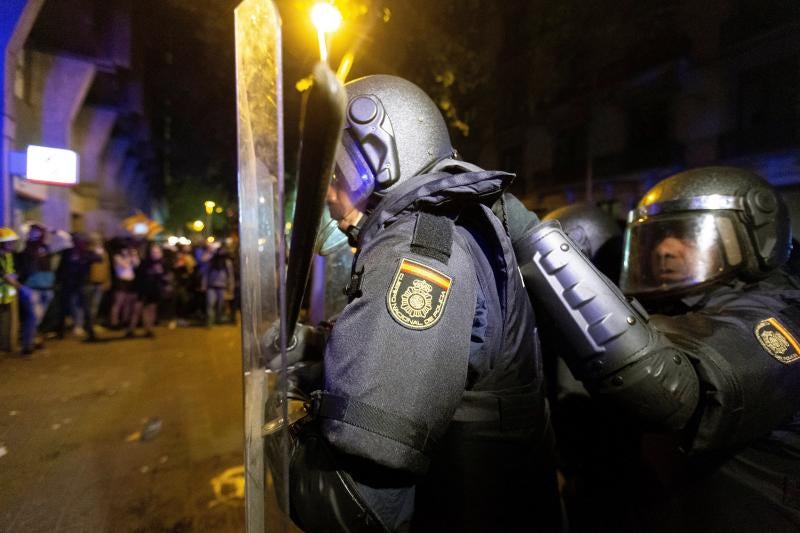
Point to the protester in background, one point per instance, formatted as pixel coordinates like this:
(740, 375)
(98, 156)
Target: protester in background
(183, 270)
(125, 262)
(202, 255)
(167, 310)
(9, 288)
(35, 269)
(99, 276)
(149, 285)
(72, 277)
(217, 281)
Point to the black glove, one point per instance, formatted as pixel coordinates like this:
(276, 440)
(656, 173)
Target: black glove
(307, 345)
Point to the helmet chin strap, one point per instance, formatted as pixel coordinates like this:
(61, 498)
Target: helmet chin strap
(353, 230)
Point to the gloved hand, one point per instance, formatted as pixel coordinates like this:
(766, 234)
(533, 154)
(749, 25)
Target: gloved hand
(307, 345)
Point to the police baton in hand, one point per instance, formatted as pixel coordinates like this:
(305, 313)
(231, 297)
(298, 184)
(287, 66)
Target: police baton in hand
(321, 126)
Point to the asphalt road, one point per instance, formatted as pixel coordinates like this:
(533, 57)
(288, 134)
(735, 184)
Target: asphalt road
(124, 435)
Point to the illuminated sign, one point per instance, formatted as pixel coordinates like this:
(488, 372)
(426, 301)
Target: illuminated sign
(140, 228)
(51, 165)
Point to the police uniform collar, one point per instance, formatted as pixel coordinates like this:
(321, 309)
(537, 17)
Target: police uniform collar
(436, 191)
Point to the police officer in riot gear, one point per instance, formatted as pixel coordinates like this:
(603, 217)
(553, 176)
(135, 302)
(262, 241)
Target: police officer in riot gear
(720, 365)
(431, 415)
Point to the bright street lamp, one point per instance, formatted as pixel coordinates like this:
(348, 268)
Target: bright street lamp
(326, 19)
(209, 206)
(198, 225)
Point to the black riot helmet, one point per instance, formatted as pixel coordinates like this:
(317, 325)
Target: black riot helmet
(702, 227)
(595, 232)
(393, 131)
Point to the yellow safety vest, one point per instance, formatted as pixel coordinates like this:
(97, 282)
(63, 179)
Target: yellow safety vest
(8, 293)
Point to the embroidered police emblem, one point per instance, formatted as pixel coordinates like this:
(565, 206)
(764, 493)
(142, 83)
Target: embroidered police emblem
(417, 295)
(777, 341)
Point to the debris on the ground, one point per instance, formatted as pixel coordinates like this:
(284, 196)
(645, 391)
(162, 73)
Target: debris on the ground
(145, 469)
(152, 428)
(228, 487)
(133, 437)
(13, 412)
(163, 459)
(55, 426)
(66, 421)
(3, 451)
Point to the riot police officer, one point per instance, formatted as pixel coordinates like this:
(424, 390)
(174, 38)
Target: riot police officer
(432, 414)
(706, 249)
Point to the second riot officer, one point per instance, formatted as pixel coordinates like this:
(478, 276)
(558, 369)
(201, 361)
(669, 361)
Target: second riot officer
(720, 364)
(432, 414)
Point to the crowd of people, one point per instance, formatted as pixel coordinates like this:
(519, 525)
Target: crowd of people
(61, 281)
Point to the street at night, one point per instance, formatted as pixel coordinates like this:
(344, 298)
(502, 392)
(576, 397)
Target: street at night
(124, 435)
(399, 266)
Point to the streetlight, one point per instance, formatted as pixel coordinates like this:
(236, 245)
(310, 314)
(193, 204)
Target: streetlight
(198, 225)
(209, 205)
(326, 19)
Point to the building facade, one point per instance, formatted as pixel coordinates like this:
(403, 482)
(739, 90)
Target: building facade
(605, 108)
(70, 80)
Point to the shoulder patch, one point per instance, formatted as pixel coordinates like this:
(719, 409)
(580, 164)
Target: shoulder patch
(777, 341)
(417, 295)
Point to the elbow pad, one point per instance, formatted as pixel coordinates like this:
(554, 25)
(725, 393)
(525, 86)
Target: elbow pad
(618, 355)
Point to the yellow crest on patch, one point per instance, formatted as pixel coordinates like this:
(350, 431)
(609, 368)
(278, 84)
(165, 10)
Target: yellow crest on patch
(777, 341)
(417, 295)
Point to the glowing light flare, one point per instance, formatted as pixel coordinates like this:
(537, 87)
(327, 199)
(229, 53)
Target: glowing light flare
(210, 239)
(209, 205)
(218, 209)
(344, 67)
(198, 225)
(326, 18)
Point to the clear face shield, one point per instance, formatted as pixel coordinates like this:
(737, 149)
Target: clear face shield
(351, 185)
(674, 253)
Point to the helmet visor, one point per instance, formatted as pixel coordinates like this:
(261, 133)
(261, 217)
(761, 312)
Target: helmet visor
(673, 253)
(352, 175)
(350, 186)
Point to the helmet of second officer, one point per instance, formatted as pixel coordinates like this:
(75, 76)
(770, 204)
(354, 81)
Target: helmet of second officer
(703, 227)
(595, 232)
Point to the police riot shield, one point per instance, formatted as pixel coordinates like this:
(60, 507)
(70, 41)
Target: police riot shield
(261, 226)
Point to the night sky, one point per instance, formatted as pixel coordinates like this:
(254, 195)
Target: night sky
(190, 75)
(488, 64)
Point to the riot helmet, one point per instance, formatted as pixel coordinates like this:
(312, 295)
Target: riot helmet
(393, 131)
(595, 232)
(702, 227)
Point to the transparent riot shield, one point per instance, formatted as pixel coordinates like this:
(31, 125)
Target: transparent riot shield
(330, 276)
(261, 173)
